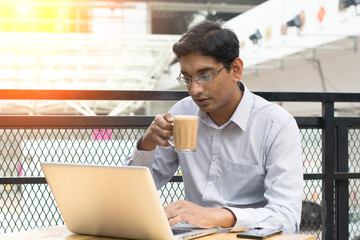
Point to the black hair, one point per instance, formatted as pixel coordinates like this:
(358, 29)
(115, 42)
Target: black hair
(209, 38)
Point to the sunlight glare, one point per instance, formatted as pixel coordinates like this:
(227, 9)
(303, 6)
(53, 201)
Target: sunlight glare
(24, 9)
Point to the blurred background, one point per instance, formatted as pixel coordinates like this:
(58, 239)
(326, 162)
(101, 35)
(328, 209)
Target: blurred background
(298, 45)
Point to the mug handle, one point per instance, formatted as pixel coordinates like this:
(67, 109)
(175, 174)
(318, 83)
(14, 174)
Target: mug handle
(171, 141)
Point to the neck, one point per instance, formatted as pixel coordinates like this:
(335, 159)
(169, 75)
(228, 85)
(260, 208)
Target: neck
(223, 116)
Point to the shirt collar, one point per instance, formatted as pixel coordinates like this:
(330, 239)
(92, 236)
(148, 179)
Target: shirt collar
(242, 112)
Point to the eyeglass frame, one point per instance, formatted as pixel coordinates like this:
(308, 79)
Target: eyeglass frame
(181, 79)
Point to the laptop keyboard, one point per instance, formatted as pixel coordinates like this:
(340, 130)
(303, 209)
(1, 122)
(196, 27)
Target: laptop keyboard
(177, 231)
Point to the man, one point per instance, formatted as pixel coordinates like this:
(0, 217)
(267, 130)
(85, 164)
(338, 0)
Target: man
(247, 169)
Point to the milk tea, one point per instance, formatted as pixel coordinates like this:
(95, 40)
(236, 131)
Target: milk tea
(185, 133)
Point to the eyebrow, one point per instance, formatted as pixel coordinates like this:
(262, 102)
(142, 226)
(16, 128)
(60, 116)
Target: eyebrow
(200, 70)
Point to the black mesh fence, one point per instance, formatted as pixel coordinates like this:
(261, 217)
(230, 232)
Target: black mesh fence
(354, 184)
(28, 206)
(312, 193)
(24, 206)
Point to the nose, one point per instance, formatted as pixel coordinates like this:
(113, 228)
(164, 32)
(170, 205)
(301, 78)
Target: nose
(195, 88)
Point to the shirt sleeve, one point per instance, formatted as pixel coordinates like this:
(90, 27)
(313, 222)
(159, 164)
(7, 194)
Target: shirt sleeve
(140, 158)
(162, 162)
(283, 184)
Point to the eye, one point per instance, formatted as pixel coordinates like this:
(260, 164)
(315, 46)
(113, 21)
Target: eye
(205, 78)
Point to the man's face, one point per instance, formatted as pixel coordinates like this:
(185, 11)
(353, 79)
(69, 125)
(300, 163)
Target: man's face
(219, 97)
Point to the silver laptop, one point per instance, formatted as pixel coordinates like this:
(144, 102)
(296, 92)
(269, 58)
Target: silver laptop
(112, 201)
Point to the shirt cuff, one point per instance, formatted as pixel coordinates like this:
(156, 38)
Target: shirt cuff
(244, 219)
(249, 218)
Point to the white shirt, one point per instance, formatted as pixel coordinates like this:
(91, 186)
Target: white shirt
(251, 165)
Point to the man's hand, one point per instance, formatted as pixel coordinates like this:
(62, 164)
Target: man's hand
(199, 216)
(157, 133)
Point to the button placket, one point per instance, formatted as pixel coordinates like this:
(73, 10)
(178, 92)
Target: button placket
(210, 191)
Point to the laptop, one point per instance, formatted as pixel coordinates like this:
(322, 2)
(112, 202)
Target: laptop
(112, 201)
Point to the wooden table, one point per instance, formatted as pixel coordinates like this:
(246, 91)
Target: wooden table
(61, 233)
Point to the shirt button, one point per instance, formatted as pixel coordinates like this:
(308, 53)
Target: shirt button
(214, 157)
(218, 130)
(210, 184)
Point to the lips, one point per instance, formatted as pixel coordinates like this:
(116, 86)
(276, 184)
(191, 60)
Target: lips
(201, 102)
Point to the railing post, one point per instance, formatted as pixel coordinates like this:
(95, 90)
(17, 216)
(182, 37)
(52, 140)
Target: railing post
(342, 185)
(328, 160)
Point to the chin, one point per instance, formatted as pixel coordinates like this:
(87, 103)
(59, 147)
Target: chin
(206, 109)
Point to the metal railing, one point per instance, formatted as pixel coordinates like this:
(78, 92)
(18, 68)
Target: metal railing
(331, 156)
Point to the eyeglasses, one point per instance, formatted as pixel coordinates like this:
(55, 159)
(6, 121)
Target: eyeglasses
(201, 79)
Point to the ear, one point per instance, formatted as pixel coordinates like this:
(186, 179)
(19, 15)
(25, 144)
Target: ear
(237, 67)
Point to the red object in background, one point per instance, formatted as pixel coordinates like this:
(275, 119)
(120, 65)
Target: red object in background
(19, 169)
(321, 14)
(102, 134)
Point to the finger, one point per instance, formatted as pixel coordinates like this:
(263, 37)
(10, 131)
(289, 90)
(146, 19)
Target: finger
(162, 127)
(174, 215)
(172, 210)
(168, 117)
(175, 220)
(164, 141)
(176, 209)
(162, 122)
(159, 140)
(160, 135)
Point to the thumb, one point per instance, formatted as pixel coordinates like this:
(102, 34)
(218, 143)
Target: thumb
(168, 117)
